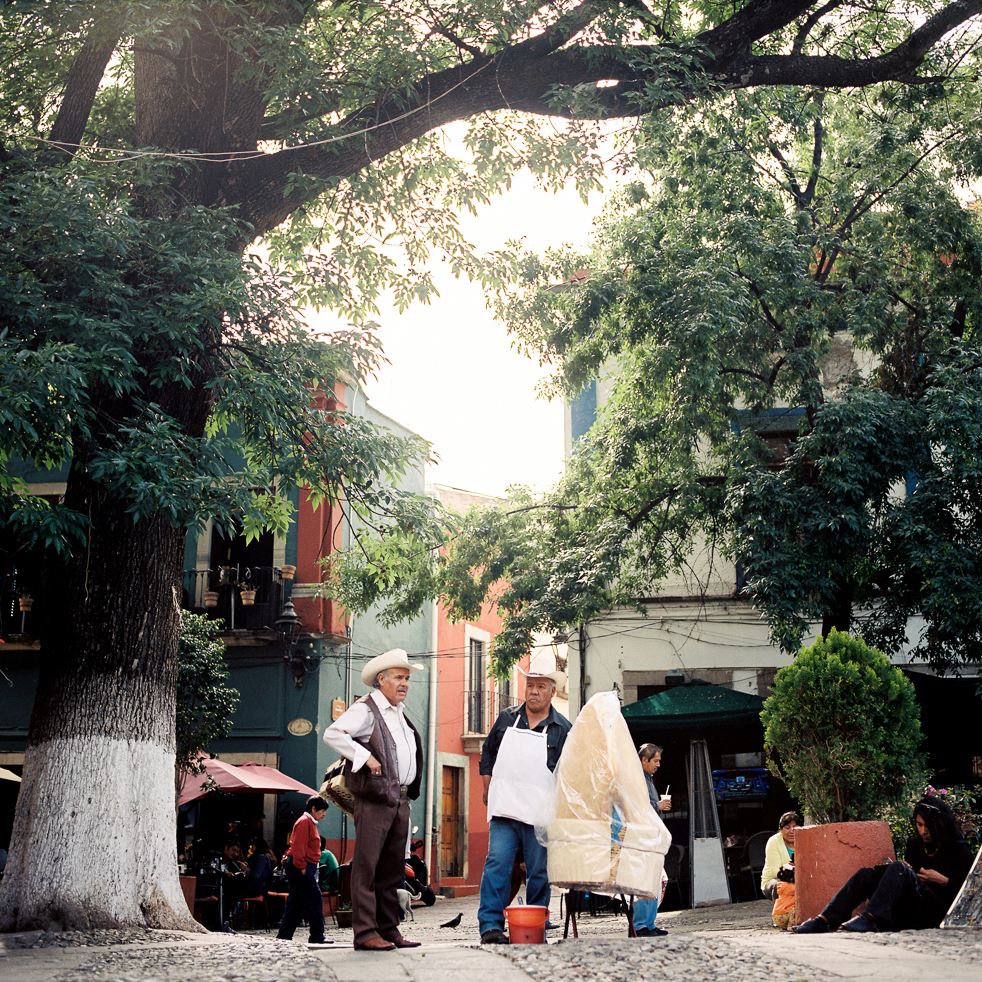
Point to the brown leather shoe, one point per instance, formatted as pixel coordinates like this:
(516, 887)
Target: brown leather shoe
(375, 944)
(402, 942)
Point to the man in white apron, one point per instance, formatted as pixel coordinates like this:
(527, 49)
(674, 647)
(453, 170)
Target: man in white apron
(517, 763)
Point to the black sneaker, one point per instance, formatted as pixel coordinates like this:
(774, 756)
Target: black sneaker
(817, 925)
(494, 936)
(862, 923)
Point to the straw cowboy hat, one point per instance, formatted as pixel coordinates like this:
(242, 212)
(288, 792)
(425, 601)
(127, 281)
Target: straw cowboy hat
(557, 678)
(396, 658)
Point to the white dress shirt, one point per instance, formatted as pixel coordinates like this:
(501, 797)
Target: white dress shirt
(358, 722)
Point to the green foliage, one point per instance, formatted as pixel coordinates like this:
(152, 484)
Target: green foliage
(110, 318)
(126, 289)
(783, 317)
(842, 730)
(205, 700)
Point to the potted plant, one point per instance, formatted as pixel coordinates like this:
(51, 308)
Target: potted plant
(343, 915)
(842, 730)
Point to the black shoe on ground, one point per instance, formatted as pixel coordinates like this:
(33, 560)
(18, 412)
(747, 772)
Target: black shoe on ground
(494, 936)
(651, 932)
(862, 923)
(817, 925)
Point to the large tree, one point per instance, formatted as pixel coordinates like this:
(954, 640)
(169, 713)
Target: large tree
(786, 319)
(144, 147)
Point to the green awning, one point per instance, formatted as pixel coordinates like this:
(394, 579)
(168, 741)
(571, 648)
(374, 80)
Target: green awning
(694, 703)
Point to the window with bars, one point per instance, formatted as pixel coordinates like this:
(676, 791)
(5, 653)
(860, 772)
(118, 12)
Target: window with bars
(478, 710)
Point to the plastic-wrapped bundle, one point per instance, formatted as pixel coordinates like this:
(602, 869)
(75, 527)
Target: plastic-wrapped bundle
(604, 837)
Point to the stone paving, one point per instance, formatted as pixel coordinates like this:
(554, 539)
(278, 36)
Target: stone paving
(734, 943)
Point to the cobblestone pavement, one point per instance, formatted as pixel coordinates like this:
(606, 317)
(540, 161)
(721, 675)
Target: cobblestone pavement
(733, 943)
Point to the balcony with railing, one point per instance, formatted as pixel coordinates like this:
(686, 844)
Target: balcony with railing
(246, 598)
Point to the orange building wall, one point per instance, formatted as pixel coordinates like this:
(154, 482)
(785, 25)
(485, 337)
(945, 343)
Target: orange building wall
(451, 661)
(320, 537)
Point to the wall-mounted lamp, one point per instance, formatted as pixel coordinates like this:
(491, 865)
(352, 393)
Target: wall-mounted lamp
(290, 629)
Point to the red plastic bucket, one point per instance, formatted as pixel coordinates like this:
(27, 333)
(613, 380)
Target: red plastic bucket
(527, 925)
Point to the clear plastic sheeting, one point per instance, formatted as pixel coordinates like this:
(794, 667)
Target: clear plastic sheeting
(604, 836)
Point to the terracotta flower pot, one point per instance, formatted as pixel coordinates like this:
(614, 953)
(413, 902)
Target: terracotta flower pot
(288, 572)
(25, 603)
(211, 598)
(248, 597)
(825, 856)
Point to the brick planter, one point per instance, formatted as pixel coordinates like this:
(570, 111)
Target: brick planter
(825, 856)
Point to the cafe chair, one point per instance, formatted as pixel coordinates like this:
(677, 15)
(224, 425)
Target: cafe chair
(673, 870)
(754, 857)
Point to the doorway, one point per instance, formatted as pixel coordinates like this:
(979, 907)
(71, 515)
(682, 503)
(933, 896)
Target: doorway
(451, 824)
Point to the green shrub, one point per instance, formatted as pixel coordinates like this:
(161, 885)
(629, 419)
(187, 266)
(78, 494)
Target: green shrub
(205, 700)
(842, 730)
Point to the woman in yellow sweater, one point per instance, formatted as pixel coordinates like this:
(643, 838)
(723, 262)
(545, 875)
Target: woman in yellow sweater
(778, 852)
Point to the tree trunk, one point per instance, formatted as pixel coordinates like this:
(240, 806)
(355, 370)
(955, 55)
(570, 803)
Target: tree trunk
(94, 836)
(838, 613)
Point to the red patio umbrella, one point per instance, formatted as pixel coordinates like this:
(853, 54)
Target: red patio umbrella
(248, 778)
(272, 774)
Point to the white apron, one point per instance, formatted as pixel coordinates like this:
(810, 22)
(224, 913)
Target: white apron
(522, 785)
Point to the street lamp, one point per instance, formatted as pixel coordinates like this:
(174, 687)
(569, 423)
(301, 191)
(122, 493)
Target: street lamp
(290, 629)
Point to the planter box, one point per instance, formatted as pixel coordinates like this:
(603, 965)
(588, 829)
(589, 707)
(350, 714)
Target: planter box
(825, 856)
(343, 918)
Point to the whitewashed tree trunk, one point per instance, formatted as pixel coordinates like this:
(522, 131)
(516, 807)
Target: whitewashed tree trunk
(94, 843)
(94, 836)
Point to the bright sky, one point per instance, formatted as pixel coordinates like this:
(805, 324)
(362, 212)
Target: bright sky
(454, 377)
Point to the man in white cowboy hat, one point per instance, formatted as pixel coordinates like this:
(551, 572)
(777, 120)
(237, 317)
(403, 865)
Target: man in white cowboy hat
(517, 761)
(384, 772)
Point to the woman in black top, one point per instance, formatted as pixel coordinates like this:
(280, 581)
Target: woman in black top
(916, 893)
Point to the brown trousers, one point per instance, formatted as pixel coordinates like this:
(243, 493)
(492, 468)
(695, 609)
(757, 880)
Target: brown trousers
(377, 868)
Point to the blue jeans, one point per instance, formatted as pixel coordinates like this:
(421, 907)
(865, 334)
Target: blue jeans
(506, 836)
(645, 909)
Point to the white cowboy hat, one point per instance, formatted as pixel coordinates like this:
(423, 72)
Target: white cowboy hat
(557, 678)
(396, 658)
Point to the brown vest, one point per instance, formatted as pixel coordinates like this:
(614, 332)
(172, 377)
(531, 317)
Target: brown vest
(383, 789)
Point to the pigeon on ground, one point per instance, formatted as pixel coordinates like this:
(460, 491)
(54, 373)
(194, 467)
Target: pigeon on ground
(454, 921)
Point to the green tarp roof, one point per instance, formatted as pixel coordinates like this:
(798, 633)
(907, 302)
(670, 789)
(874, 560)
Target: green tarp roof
(694, 703)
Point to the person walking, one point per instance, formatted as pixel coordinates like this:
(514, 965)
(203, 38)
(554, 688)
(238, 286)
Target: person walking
(300, 865)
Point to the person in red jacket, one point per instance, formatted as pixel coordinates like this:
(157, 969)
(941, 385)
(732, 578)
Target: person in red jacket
(300, 864)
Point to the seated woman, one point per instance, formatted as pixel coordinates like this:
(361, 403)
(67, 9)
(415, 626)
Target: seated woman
(234, 872)
(778, 853)
(262, 862)
(916, 893)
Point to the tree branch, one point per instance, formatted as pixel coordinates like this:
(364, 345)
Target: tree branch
(83, 81)
(526, 77)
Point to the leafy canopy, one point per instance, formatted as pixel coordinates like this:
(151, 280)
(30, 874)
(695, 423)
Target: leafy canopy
(110, 318)
(784, 319)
